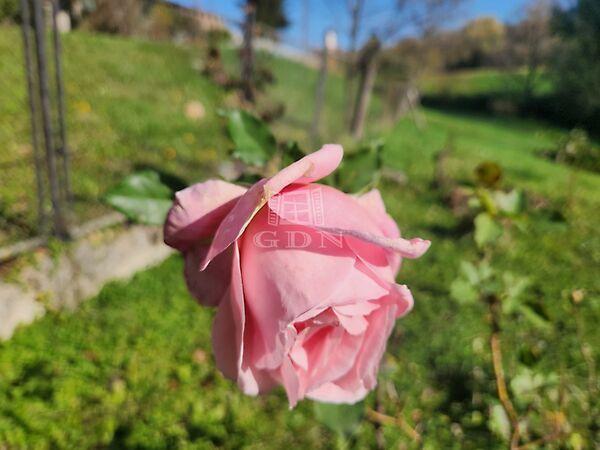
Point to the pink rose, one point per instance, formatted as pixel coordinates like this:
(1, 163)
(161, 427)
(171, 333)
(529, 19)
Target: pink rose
(302, 276)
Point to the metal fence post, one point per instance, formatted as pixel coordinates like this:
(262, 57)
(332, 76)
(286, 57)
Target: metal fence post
(58, 216)
(35, 134)
(63, 149)
(320, 91)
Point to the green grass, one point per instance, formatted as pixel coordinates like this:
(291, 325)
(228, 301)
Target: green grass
(132, 368)
(483, 81)
(125, 101)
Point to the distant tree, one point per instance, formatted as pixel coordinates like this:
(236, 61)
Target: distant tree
(355, 10)
(9, 9)
(247, 51)
(367, 68)
(576, 68)
(476, 44)
(271, 13)
(406, 14)
(161, 20)
(483, 37)
(116, 16)
(400, 68)
(530, 43)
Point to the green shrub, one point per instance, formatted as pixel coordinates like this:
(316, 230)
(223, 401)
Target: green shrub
(577, 150)
(9, 10)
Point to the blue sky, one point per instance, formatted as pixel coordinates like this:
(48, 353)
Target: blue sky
(325, 14)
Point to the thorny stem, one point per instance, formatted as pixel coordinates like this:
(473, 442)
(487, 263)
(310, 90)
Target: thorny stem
(384, 419)
(494, 306)
(379, 437)
(495, 344)
(585, 353)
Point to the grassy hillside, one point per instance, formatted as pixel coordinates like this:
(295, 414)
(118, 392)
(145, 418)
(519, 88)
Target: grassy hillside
(133, 368)
(483, 81)
(126, 102)
(492, 91)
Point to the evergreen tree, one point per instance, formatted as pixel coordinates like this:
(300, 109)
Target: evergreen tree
(577, 65)
(271, 13)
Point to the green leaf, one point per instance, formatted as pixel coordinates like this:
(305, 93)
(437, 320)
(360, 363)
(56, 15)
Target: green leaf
(510, 203)
(513, 289)
(470, 272)
(361, 169)
(515, 286)
(343, 419)
(463, 291)
(486, 200)
(499, 423)
(142, 197)
(253, 141)
(486, 271)
(576, 441)
(526, 384)
(487, 230)
(534, 318)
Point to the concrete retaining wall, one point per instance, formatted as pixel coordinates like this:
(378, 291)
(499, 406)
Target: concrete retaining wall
(79, 272)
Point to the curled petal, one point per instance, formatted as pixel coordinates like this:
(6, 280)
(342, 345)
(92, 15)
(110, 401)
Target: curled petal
(407, 248)
(308, 169)
(332, 393)
(373, 203)
(338, 214)
(198, 211)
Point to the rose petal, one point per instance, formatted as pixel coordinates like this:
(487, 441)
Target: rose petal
(403, 298)
(198, 211)
(373, 203)
(364, 373)
(407, 248)
(290, 381)
(355, 325)
(331, 353)
(356, 309)
(281, 284)
(332, 393)
(339, 214)
(308, 169)
(209, 286)
(228, 336)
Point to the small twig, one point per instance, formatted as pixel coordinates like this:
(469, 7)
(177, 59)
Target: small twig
(379, 437)
(543, 440)
(384, 419)
(499, 372)
(585, 352)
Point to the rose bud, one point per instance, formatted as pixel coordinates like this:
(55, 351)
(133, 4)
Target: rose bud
(303, 277)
